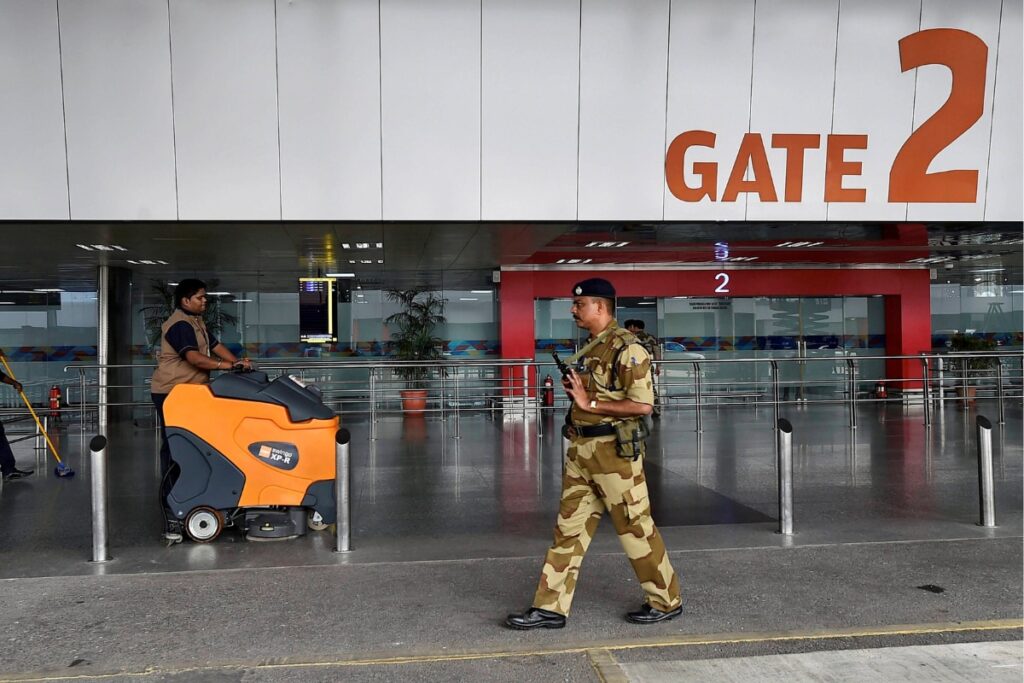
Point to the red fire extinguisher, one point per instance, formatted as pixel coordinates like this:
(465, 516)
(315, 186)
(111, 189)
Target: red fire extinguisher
(54, 400)
(548, 395)
(880, 391)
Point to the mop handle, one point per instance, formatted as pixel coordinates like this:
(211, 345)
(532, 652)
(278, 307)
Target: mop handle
(3, 359)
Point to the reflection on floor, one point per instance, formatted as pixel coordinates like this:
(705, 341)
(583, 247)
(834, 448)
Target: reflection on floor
(419, 493)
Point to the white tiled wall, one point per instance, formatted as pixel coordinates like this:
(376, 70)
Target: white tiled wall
(476, 109)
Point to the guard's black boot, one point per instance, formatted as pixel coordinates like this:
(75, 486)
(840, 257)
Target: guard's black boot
(535, 618)
(650, 615)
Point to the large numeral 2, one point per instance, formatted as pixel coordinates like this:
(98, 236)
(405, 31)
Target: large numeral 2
(966, 55)
(722, 288)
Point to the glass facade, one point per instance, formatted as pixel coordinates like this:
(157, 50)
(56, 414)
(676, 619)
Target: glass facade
(40, 339)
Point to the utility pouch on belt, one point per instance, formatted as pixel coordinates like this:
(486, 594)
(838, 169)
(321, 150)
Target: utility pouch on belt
(630, 438)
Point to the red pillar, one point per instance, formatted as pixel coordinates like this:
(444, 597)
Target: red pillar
(517, 325)
(908, 325)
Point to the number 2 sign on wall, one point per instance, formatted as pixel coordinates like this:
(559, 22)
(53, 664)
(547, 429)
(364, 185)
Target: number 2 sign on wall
(966, 56)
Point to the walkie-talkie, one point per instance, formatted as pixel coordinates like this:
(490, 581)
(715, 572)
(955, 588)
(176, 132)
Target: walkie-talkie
(562, 367)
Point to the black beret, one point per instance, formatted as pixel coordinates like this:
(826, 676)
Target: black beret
(595, 286)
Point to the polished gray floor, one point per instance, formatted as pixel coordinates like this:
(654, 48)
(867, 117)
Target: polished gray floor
(419, 493)
(448, 535)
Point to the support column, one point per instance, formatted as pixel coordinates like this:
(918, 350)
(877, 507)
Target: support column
(908, 326)
(517, 326)
(113, 343)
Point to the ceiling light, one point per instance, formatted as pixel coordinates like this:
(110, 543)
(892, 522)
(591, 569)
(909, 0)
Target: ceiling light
(800, 244)
(346, 245)
(172, 284)
(101, 247)
(48, 290)
(243, 301)
(932, 259)
(479, 291)
(646, 303)
(218, 294)
(468, 298)
(366, 261)
(989, 270)
(977, 279)
(561, 260)
(362, 245)
(6, 303)
(341, 274)
(380, 245)
(606, 245)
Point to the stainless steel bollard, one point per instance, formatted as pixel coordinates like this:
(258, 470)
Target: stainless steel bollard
(342, 502)
(373, 404)
(697, 396)
(775, 391)
(985, 484)
(458, 409)
(925, 390)
(98, 465)
(999, 390)
(785, 456)
(851, 390)
(38, 444)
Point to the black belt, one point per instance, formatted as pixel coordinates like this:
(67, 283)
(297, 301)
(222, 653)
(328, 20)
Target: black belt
(590, 431)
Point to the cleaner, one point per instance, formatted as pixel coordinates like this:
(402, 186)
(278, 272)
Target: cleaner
(61, 470)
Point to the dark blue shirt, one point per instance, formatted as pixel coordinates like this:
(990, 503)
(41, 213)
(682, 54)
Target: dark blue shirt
(182, 338)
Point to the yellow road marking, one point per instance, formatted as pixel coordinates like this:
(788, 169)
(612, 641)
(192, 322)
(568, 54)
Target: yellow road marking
(584, 648)
(605, 666)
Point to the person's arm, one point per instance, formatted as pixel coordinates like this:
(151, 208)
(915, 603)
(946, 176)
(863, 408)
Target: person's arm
(633, 370)
(625, 407)
(205, 362)
(224, 353)
(11, 381)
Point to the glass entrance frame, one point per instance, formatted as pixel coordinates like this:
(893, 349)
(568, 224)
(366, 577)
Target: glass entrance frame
(695, 328)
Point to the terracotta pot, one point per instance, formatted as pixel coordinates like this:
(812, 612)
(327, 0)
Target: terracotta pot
(414, 401)
(969, 394)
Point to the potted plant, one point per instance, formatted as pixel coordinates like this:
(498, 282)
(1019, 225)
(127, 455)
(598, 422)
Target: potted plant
(156, 314)
(975, 367)
(414, 340)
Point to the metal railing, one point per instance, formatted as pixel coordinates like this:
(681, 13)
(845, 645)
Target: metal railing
(373, 387)
(514, 386)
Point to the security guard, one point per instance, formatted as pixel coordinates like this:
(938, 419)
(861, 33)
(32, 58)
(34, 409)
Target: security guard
(604, 469)
(653, 349)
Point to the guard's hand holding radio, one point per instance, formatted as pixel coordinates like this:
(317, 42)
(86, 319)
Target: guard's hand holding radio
(562, 367)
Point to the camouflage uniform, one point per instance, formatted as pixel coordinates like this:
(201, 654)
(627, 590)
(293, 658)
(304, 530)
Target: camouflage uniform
(650, 344)
(597, 478)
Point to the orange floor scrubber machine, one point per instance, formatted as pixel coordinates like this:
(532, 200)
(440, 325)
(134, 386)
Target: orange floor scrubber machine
(251, 453)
